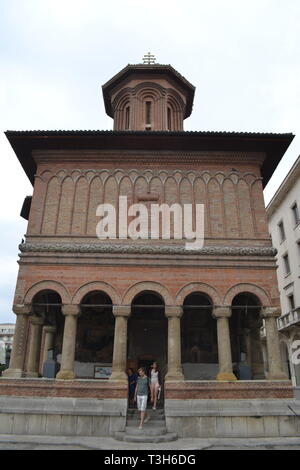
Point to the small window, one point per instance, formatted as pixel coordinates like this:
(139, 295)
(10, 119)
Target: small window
(169, 116)
(286, 264)
(291, 302)
(298, 244)
(148, 113)
(127, 111)
(295, 211)
(281, 231)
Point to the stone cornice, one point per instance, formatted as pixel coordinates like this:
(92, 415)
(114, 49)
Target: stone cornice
(272, 145)
(289, 181)
(143, 249)
(146, 156)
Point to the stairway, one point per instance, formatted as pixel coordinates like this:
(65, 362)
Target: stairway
(153, 431)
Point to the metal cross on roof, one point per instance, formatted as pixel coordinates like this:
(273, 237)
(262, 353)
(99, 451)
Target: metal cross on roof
(149, 59)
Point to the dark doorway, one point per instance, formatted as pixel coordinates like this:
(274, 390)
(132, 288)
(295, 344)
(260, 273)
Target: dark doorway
(47, 305)
(245, 324)
(147, 332)
(199, 348)
(95, 334)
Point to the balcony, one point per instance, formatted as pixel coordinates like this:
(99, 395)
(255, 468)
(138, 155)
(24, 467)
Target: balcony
(289, 319)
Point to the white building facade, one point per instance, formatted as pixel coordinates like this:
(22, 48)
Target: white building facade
(6, 340)
(284, 225)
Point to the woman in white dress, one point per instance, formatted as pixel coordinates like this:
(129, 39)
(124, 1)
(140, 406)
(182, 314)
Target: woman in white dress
(155, 383)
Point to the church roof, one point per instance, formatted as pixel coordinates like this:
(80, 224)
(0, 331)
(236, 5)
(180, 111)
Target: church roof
(273, 145)
(139, 69)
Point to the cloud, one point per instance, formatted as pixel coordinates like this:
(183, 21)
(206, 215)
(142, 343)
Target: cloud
(243, 58)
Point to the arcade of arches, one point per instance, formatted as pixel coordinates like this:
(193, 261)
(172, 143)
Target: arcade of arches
(196, 340)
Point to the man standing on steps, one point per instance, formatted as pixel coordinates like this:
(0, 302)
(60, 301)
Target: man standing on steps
(141, 395)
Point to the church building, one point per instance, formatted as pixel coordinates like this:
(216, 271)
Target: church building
(90, 305)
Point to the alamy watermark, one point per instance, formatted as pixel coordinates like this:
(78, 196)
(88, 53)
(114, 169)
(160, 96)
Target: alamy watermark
(138, 221)
(158, 221)
(295, 346)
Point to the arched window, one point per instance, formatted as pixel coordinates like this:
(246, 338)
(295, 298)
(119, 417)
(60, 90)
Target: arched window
(148, 115)
(127, 117)
(169, 119)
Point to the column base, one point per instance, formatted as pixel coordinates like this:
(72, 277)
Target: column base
(277, 376)
(259, 377)
(119, 375)
(65, 375)
(174, 376)
(227, 376)
(29, 374)
(13, 373)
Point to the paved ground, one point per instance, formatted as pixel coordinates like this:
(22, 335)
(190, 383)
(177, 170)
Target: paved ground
(20, 442)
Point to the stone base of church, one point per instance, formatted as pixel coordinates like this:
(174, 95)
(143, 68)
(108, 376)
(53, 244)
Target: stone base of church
(236, 389)
(232, 409)
(233, 418)
(192, 408)
(41, 387)
(62, 416)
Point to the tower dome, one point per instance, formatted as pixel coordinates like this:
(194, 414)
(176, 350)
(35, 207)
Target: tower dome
(148, 97)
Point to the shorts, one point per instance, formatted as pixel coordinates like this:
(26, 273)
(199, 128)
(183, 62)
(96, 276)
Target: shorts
(142, 402)
(155, 383)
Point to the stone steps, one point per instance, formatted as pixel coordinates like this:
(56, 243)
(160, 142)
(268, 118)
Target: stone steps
(142, 437)
(147, 430)
(153, 423)
(154, 430)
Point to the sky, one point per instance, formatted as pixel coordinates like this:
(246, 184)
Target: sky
(242, 56)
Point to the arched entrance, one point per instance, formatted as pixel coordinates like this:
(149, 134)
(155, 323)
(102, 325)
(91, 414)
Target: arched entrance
(95, 336)
(46, 305)
(245, 323)
(199, 347)
(147, 332)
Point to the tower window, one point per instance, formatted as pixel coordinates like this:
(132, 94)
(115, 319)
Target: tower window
(281, 231)
(148, 113)
(295, 211)
(127, 110)
(286, 264)
(291, 302)
(169, 118)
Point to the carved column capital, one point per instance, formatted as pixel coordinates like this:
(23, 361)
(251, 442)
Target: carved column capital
(22, 309)
(222, 312)
(173, 311)
(70, 309)
(36, 320)
(49, 329)
(269, 312)
(121, 310)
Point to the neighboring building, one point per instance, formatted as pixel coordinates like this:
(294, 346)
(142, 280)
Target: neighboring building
(103, 305)
(284, 225)
(6, 340)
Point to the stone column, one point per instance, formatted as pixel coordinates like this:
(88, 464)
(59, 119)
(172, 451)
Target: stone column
(273, 349)
(121, 313)
(257, 361)
(34, 352)
(174, 343)
(71, 313)
(16, 365)
(222, 315)
(49, 332)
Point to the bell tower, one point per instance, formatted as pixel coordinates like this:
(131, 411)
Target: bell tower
(148, 97)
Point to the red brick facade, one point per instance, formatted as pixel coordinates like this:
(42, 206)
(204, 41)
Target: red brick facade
(75, 172)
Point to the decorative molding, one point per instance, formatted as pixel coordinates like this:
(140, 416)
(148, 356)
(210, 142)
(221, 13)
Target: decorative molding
(149, 173)
(144, 249)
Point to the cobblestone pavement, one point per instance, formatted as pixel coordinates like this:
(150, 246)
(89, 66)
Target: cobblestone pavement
(20, 442)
